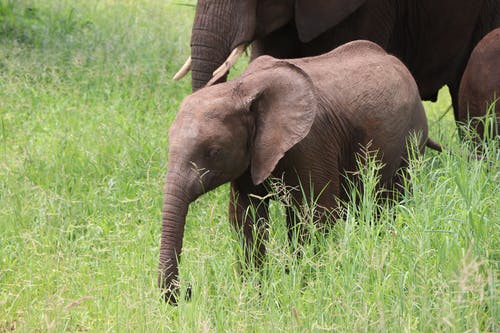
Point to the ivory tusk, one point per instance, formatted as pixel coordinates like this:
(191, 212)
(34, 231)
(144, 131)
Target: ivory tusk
(184, 70)
(230, 61)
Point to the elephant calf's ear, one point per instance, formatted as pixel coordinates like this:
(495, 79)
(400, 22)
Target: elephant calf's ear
(285, 105)
(313, 17)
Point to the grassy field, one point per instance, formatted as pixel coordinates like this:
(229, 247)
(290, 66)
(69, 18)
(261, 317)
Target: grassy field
(86, 101)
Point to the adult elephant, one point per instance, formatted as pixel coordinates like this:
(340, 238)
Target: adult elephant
(434, 38)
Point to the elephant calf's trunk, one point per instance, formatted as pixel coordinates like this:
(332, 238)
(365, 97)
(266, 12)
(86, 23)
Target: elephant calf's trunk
(173, 221)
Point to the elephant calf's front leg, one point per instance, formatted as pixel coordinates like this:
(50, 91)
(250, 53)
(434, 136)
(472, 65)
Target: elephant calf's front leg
(248, 213)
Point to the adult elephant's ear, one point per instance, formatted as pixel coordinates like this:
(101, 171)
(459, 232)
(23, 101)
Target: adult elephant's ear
(284, 103)
(313, 17)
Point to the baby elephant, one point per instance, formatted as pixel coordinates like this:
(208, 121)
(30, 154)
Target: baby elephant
(480, 85)
(300, 120)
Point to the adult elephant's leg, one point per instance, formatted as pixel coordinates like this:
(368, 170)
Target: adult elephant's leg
(249, 215)
(455, 81)
(454, 88)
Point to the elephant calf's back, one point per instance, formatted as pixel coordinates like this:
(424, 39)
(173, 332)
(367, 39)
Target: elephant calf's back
(369, 87)
(377, 93)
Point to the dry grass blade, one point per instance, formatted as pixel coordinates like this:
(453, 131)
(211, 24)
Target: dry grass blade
(77, 302)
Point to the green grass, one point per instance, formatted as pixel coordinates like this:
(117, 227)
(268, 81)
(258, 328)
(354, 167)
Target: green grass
(85, 105)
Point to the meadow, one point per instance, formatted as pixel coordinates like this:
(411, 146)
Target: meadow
(86, 100)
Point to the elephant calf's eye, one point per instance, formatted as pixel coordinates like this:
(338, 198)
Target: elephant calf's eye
(214, 153)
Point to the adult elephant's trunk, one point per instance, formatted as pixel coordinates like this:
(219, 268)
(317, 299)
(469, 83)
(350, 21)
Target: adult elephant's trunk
(208, 52)
(175, 207)
(219, 27)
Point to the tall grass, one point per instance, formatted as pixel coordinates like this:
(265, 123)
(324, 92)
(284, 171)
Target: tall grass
(85, 105)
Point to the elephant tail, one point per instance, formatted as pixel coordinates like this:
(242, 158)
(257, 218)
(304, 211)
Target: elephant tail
(433, 145)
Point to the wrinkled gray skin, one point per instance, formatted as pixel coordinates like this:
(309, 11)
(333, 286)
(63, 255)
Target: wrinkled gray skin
(433, 38)
(480, 85)
(301, 120)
